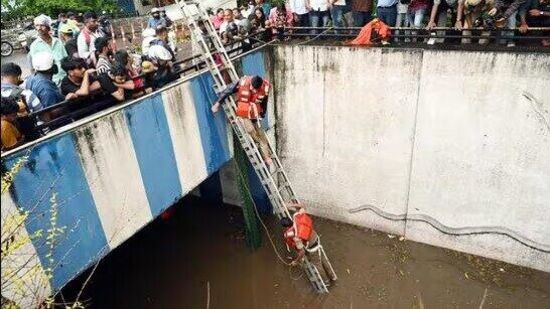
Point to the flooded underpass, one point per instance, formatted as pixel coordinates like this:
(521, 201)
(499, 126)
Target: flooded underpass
(198, 258)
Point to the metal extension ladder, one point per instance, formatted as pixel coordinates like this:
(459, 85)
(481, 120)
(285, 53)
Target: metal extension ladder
(275, 183)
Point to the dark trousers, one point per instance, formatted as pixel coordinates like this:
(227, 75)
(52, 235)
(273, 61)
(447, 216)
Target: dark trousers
(388, 15)
(303, 20)
(361, 18)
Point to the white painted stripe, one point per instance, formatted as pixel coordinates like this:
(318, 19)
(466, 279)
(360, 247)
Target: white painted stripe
(186, 137)
(112, 171)
(26, 288)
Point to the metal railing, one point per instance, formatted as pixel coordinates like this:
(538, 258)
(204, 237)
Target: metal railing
(260, 39)
(185, 67)
(400, 34)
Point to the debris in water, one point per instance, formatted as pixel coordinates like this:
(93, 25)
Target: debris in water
(391, 236)
(501, 270)
(466, 275)
(401, 238)
(347, 269)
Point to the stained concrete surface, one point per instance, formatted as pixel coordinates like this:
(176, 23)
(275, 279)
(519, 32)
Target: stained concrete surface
(171, 263)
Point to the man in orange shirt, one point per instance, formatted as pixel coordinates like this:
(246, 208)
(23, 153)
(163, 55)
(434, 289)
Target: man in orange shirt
(11, 137)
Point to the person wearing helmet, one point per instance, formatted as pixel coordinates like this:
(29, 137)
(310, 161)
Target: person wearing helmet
(61, 20)
(252, 95)
(66, 35)
(46, 43)
(156, 20)
(300, 236)
(162, 59)
(41, 83)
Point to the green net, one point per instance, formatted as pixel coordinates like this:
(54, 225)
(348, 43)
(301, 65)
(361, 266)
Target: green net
(252, 231)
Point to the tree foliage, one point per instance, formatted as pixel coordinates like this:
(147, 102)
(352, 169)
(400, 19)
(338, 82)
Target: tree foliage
(15, 9)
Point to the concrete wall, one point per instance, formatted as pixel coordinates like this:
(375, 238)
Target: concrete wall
(115, 172)
(461, 137)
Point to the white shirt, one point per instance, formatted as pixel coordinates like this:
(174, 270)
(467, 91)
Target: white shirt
(340, 2)
(298, 6)
(319, 5)
(84, 50)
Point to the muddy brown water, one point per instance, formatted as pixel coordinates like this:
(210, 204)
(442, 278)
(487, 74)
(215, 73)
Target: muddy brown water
(199, 257)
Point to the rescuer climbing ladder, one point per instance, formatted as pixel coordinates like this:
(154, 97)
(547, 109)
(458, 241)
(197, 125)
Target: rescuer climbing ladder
(275, 183)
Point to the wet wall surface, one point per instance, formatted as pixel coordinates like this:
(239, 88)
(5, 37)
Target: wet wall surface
(173, 263)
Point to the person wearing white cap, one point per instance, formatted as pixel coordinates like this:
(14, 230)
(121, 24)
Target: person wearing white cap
(41, 83)
(148, 35)
(156, 20)
(46, 43)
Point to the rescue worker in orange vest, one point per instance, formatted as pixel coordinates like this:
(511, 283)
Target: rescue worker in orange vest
(252, 93)
(300, 236)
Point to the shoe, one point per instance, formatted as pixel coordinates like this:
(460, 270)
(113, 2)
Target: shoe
(511, 44)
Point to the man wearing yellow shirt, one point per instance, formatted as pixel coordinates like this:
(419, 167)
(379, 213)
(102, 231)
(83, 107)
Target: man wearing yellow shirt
(11, 137)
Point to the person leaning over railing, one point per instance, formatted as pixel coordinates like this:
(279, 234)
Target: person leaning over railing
(11, 137)
(535, 13)
(477, 14)
(110, 82)
(27, 101)
(162, 60)
(79, 82)
(440, 11)
(280, 18)
(505, 13)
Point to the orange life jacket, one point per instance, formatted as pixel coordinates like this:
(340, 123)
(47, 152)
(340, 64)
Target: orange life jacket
(302, 228)
(374, 29)
(249, 99)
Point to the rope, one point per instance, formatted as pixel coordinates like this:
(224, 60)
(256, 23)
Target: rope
(241, 177)
(315, 37)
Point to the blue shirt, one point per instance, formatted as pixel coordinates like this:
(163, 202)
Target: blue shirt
(154, 22)
(45, 89)
(386, 3)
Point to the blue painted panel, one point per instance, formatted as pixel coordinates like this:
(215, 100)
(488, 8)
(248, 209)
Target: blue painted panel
(213, 127)
(54, 167)
(253, 64)
(154, 151)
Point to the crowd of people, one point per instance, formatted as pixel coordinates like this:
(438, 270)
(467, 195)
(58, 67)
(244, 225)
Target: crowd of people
(421, 14)
(77, 64)
(75, 58)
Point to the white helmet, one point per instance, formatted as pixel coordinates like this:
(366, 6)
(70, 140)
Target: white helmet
(148, 32)
(42, 61)
(159, 52)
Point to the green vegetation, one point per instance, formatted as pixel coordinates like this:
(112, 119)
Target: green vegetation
(17, 9)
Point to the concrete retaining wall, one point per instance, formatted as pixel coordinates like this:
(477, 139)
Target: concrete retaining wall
(461, 137)
(116, 172)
